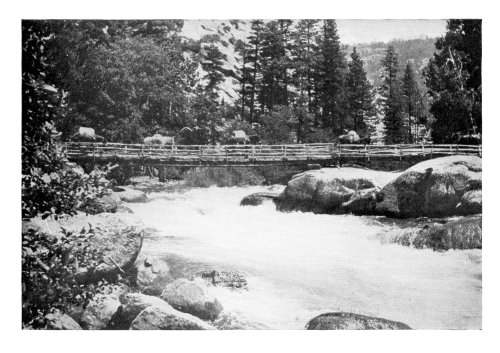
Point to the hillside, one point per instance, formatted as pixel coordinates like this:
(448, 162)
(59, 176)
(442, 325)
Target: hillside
(416, 51)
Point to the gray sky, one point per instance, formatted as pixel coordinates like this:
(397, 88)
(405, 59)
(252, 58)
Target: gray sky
(365, 31)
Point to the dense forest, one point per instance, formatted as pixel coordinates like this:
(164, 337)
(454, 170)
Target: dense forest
(295, 82)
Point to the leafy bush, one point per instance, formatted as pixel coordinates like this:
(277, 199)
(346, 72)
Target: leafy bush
(50, 267)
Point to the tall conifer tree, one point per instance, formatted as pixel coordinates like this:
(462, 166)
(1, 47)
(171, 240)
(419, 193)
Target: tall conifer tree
(359, 94)
(333, 69)
(391, 91)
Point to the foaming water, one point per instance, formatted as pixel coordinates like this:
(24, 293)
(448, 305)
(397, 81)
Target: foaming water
(299, 265)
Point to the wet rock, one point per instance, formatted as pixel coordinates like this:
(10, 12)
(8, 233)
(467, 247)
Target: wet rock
(471, 203)
(329, 190)
(432, 188)
(258, 198)
(192, 297)
(152, 275)
(60, 321)
(350, 321)
(165, 317)
(131, 195)
(229, 279)
(363, 201)
(462, 233)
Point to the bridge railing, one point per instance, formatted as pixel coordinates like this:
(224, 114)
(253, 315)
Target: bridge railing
(260, 152)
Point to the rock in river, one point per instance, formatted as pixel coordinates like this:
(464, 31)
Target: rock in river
(131, 195)
(334, 190)
(229, 279)
(192, 297)
(433, 188)
(350, 321)
(258, 198)
(462, 233)
(152, 275)
(164, 317)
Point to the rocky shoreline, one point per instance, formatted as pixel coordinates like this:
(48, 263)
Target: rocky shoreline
(441, 189)
(156, 299)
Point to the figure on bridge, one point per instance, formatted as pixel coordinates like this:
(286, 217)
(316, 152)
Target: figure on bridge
(86, 134)
(352, 137)
(158, 139)
(240, 136)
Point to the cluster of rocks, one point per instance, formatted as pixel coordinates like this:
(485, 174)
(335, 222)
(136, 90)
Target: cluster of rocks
(441, 187)
(438, 187)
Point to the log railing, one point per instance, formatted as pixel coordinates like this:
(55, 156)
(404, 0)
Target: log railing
(258, 153)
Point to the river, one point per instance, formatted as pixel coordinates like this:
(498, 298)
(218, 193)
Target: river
(299, 265)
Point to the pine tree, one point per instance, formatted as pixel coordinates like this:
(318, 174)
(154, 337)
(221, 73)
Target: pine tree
(359, 95)
(212, 64)
(453, 77)
(305, 52)
(391, 91)
(332, 75)
(412, 102)
(253, 59)
(274, 64)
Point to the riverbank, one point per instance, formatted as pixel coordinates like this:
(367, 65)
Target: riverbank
(255, 267)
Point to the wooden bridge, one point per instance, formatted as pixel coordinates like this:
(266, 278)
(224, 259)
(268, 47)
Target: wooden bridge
(252, 155)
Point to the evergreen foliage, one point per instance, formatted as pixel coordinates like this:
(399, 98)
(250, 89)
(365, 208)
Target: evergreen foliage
(453, 77)
(359, 95)
(391, 91)
(332, 71)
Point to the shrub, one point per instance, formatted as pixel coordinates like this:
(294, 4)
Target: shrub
(49, 272)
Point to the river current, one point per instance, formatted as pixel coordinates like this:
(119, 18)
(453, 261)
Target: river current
(299, 265)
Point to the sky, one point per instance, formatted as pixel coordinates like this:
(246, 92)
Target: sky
(350, 31)
(366, 31)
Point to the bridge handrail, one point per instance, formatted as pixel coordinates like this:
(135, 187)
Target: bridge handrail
(262, 152)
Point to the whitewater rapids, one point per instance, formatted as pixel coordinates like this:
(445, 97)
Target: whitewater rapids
(299, 265)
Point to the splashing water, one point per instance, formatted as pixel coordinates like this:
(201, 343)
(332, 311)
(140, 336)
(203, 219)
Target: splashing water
(299, 265)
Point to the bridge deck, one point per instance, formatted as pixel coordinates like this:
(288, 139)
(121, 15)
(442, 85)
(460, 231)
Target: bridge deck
(251, 155)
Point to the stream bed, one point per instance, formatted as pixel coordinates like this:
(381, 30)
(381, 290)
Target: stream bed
(299, 265)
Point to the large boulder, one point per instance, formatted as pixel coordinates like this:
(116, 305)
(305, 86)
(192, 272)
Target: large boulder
(433, 188)
(164, 317)
(462, 233)
(350, 321)
(60, 321)
(117, 238)
(331, 190)
(105, 203)
(258, 198)
(131, 195)
(100, 313)
(153, 275)
(192, 297)
(132, 304)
